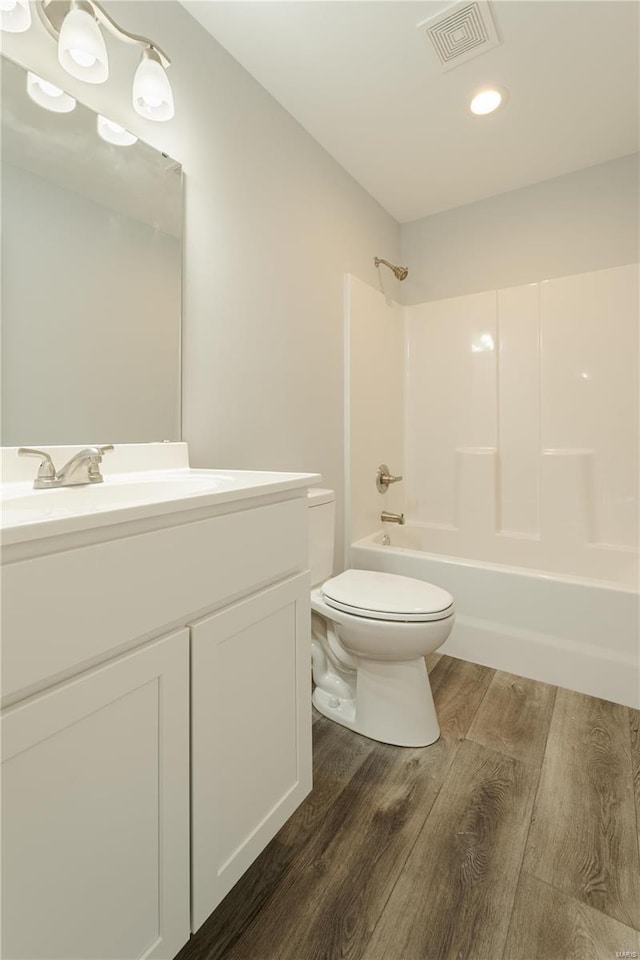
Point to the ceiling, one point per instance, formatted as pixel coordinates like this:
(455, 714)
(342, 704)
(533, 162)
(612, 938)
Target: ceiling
(364, 83)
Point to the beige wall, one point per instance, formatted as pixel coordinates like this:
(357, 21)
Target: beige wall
(272, 225)
(583, 221)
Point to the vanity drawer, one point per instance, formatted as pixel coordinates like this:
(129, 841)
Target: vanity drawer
(65, 611)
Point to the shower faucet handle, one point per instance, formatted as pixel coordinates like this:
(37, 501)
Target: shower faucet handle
(384, 479)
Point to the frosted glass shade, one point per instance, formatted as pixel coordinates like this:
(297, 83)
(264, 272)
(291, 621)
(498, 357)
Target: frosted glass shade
(114, 133)
(81, 47)
(152, 94)
(47, 95)
(15, 16)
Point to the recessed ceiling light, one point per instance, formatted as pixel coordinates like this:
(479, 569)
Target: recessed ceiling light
(486, 101)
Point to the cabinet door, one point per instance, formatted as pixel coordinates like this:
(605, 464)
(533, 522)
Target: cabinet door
(251, 733)
(95, 812)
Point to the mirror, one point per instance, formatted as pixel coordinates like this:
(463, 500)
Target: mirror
(91, 270)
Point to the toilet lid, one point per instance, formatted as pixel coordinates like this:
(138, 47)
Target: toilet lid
(387, 596)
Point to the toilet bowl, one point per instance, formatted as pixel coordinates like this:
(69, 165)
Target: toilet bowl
(370, 634)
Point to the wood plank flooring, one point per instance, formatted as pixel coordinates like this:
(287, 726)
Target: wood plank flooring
(514, 837)
(515, 717)
(583, 833)
(561, 927)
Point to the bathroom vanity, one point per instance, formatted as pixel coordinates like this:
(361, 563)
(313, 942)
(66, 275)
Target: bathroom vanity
(156, 724)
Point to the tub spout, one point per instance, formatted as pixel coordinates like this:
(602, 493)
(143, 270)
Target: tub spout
(387, 517)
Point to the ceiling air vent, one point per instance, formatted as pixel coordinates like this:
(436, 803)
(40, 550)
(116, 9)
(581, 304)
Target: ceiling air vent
(464, 31)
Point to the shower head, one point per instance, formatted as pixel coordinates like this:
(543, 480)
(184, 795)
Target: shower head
(401, 273)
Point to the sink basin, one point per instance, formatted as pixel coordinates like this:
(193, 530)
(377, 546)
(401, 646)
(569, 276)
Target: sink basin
(29, 513)
(20, 505)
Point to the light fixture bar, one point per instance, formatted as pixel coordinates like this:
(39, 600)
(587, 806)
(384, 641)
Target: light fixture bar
(44, 7)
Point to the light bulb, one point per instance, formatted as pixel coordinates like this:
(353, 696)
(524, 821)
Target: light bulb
(15, 16)
(152, 94)
(81, 47)
(50, 88)
(82, 58)
(486, 101)
(114, 133)
(48, 95)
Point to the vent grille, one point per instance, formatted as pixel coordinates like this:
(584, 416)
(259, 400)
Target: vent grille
(465, 31)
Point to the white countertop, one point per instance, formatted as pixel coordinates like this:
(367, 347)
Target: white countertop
(167, 486)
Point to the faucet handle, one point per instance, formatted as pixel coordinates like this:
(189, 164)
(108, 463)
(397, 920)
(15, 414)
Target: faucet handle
(384, 479)
(94, 470)
(95, 451)
(46, 470)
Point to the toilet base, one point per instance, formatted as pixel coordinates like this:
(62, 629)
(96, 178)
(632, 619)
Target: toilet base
(393, 704)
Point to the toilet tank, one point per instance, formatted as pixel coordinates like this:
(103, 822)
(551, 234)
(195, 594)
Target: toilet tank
(322, 527)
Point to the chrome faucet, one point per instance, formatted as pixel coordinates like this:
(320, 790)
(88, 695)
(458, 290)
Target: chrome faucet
(387, 517)
(82, 468)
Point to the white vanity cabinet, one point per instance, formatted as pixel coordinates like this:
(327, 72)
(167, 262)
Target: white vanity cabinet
(156, 730)
(251, 733)
(95, 812)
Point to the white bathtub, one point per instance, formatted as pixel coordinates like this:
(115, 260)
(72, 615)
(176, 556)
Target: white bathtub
(575, 633)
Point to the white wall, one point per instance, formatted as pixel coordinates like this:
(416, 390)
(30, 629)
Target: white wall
(376, 402)
(521, 442)
(272, 225)
(583, 221)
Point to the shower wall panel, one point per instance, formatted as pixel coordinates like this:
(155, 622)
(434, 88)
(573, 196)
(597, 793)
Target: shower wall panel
(521, 424)
(375, 399)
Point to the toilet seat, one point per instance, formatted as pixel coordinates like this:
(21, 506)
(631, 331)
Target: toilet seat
(387, 596)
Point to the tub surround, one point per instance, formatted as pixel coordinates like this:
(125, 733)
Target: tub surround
(518, 443)
(374, 404)
(521, 431)
(107, 744)
(519, 437)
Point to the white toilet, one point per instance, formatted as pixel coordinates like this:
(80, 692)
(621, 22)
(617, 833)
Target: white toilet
(370, 634)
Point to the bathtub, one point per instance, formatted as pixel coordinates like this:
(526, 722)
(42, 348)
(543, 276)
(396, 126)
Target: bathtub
(575, 633)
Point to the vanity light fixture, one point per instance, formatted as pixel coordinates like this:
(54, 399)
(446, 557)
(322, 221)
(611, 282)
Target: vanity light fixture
(81, 47)
(15, 15)
(486, 101)
(113, 133)
(47, 95)
(76, 25)
(152, 94)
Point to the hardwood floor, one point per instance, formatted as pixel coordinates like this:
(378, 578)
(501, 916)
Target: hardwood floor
(561, 927)
(515, 717)
(583, 833)
(455, 892)
(514, 837)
